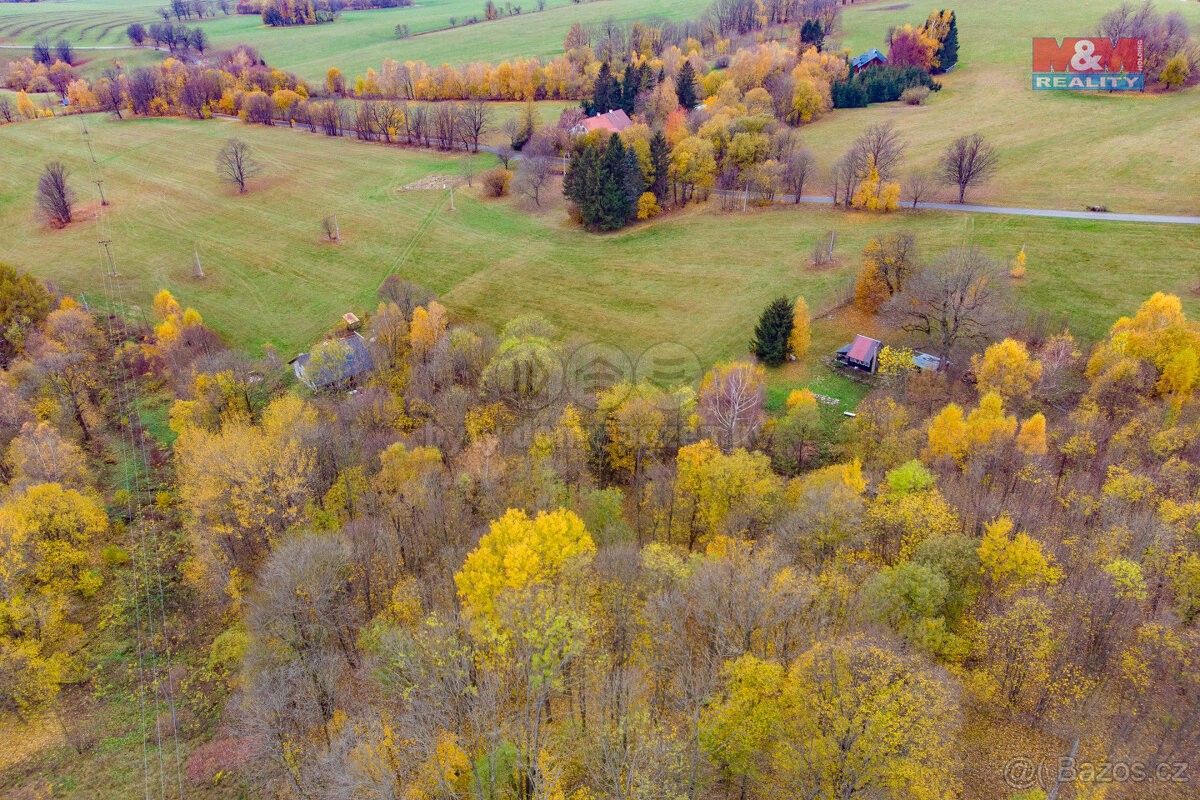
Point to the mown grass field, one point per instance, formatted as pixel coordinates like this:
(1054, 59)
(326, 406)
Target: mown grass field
(1058, 149)
(684, 279)
(357, 40)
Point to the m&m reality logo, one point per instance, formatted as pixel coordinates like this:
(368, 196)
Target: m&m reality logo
(1088, 65)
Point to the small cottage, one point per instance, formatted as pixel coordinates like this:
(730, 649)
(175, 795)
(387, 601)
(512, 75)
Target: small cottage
(871, 58)
(862, 353)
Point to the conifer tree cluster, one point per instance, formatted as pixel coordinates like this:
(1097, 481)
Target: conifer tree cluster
(611, 93)
(604, 180)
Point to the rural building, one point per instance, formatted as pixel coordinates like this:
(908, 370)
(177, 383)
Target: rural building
(871, 58)
(927, 363)
(610, 122)
(862, 353)
(338, 372)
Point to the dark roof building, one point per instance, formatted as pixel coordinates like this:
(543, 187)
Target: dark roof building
(871, 58)
(339, 369)
(862, 353)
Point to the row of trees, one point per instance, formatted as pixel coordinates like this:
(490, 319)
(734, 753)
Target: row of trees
(176, 38)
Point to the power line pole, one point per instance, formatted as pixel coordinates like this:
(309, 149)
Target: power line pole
(197, 267)
(106, 245)
(100, 185)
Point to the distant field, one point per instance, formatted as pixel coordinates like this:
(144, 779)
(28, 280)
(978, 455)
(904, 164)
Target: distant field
(357, 40)
(1058, 150)
(699, 278)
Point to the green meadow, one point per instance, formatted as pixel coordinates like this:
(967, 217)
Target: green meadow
(1129, 152)
(698, 277)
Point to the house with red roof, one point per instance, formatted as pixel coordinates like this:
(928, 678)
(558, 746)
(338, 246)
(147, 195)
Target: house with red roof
(610, 122)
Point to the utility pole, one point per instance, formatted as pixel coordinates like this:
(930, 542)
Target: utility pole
(106, 245)
(100, 185)
(197, 267)
(450, 186)
(88, 139)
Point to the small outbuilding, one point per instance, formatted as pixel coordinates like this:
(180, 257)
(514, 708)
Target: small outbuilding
(609, 122)
(926, 362)
(871, 58)
(334, 363)
(861, 354)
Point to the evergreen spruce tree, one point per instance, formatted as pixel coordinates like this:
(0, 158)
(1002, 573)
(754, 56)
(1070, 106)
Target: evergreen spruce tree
(774, 329)
(630, 85)
(605, 94)
(634, 181)
(647, 79)
(947, 54)
(581, 184)
(612, 197)
(685, 86)
(660, 157)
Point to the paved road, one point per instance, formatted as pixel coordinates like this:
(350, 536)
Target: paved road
(1056, 213)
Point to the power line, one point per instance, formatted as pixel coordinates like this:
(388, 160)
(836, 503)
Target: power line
(148, 548)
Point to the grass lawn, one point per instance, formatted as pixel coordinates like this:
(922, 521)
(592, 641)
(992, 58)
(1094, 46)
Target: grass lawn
(683, 279)
(1130, 152)
(357, 40)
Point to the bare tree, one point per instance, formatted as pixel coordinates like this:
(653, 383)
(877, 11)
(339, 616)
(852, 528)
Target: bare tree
(952, 302)
(55, 198)
(841, 180)
(446, 124)
(969, 160)
(505, 154)
(731, 403)
(918, 186)
(6, 110)
(235, 164)
(475, 121)
(879, 143)
(535, 168)
(798, 169)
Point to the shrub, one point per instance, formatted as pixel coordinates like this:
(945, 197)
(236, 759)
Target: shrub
(1176, 72)
(496, 181)
(915, 95)
(648, 206)
(880, 85)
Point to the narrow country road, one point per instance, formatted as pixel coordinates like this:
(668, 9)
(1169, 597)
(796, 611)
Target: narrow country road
(1017, 211)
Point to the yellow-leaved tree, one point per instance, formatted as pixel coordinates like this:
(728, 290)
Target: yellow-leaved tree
(873, 194)
(243, 486)
(1007, 369)
(801, 337)
(524, 596)
(1013, 562)
(47, 541)
(844, 714)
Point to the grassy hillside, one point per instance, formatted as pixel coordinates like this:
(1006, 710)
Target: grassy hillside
(357, 40)
(684, 279)
(1060, 150)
